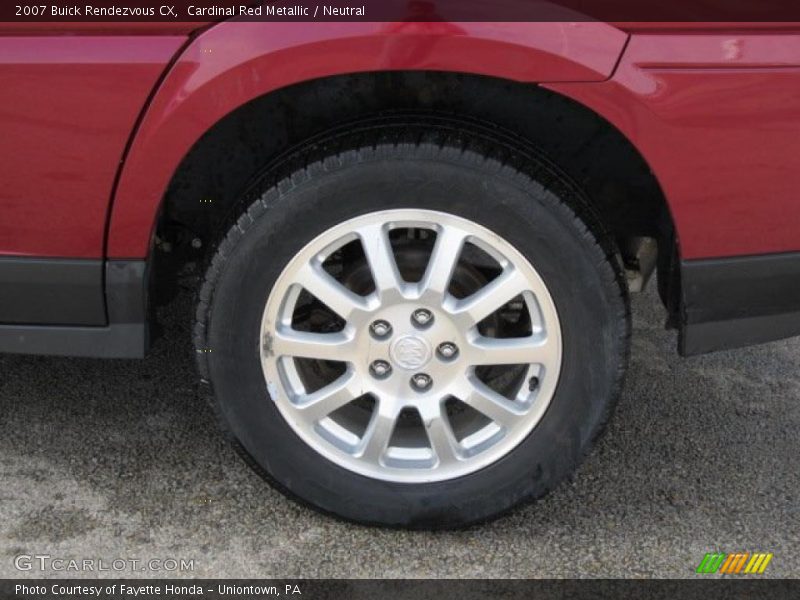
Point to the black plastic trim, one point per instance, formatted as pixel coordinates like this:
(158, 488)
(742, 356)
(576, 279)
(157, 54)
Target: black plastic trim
(126, 334)
(734, 302)
(114, 341)
(51, 291)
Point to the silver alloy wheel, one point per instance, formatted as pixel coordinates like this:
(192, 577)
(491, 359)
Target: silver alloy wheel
(427, 361)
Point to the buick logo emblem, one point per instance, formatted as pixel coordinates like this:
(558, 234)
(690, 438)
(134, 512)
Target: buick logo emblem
(411, 352)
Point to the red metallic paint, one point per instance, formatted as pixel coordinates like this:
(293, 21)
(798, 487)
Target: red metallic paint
(67, 108)
(717, 117)
(715, 114)
(233, 63)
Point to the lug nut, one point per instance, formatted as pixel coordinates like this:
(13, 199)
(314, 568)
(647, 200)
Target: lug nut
(447, 350)
(380, 369)
(380, 329)
(422, 317)
(421, 382)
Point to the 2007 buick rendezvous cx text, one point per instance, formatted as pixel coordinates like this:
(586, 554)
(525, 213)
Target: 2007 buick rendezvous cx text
(87, 10)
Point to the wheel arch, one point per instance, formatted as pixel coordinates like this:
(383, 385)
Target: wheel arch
(233, 64)
(178, 185)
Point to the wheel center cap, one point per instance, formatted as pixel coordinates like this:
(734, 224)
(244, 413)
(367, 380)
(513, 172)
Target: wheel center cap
(410, 352)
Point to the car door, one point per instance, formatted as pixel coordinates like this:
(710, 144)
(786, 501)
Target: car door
(70, 97)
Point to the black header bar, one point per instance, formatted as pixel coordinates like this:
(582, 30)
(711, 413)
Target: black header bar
(688, 11)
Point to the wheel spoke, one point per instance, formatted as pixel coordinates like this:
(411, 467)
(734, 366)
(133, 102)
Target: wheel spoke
(495, 406)
(443, 260)
(379, 432)
(440, 434)
(330, 292)
(333, 396)
(509, 351)
(490, 297)
(380, 256)
(321, 346)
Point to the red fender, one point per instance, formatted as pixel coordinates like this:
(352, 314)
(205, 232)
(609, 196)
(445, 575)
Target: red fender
(233, 63)
(715, 116)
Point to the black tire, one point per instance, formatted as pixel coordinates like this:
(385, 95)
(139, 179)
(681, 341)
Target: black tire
(522, 198)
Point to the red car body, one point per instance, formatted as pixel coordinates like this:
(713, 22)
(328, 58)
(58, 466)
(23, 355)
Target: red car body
(95, 120)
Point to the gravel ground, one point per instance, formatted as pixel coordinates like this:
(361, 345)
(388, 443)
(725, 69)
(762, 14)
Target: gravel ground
(120, 459)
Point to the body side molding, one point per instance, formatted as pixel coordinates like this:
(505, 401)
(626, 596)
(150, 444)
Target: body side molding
(124, 335)
(734, 302)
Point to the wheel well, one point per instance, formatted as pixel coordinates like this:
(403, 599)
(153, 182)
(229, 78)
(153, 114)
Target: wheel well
(212, 178)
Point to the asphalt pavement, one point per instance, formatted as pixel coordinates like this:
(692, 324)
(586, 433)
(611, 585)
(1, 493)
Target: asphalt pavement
(110, 460)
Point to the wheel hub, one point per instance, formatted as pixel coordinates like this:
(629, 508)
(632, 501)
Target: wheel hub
(410, 348)
(410, 352)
